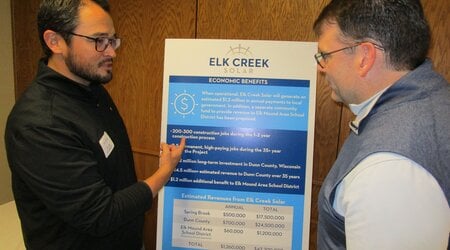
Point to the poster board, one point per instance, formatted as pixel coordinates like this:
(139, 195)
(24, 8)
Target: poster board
(246, 109)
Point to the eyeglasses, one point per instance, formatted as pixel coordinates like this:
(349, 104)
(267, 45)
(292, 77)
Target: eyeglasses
(101, 43)
(323, 56)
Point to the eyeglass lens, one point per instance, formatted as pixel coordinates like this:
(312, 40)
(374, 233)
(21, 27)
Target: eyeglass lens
(319, 58)
(102, 43)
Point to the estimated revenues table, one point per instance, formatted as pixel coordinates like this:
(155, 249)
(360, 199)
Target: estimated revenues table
(217, 225)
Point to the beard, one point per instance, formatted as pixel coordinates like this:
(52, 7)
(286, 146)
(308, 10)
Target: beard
(89, 71)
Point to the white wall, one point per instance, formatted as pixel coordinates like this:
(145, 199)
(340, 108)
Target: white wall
(6, 94)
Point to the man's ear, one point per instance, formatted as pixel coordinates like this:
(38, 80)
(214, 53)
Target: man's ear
(368, 57)
(54, 41)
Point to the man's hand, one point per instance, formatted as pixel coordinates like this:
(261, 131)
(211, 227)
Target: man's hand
(168, 160)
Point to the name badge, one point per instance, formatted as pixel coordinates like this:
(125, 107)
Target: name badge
(107, 144)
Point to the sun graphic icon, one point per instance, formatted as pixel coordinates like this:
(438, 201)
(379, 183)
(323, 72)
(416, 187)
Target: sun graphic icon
(184, 104)
(239, 50)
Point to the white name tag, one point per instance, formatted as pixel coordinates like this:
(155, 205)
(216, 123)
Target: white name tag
(107, 144)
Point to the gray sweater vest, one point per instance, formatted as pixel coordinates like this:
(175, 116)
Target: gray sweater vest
(412, 118)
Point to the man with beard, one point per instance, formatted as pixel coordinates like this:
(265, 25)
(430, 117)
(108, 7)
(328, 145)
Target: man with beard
(72, 167)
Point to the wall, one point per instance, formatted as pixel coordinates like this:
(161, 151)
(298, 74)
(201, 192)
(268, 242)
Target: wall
(6, 94)
(137, 86)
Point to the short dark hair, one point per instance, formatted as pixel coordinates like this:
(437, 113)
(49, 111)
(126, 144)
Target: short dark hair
(61, 16)
(399, 26)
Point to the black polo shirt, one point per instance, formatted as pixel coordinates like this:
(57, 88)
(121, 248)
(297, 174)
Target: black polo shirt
(72, 168)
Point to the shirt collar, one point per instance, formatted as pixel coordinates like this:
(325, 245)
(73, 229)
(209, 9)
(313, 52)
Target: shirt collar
(362, 110)
(52, 79)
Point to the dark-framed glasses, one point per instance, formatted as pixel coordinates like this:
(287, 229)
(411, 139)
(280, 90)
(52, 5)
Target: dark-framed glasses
(101, 43)
(321, 57)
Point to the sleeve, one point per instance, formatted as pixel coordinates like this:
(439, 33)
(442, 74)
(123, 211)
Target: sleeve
(391, 202)
(63, 174)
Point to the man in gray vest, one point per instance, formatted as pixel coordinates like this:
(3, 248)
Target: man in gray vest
(389, 187)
